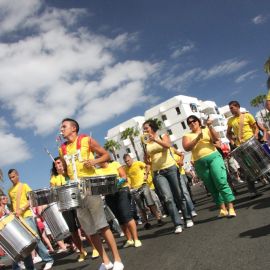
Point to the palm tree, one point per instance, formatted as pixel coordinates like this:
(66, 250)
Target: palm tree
(131, 133)
(267, 70)
(258, 101)
(112, 146)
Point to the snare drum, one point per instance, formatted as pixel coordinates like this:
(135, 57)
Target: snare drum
(68, 196)
(41, 197)
(16, 238)
(99, 185)
(55, 222)
(252, 158)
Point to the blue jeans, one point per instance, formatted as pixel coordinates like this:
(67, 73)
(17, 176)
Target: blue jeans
(183, 183)
(167, 183)
(41, 249)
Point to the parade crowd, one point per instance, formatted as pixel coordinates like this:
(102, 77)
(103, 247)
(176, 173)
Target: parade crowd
(157, 187)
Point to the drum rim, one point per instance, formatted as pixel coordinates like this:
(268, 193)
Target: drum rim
(100, 176)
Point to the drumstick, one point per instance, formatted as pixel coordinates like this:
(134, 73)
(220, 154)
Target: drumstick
(50, 155)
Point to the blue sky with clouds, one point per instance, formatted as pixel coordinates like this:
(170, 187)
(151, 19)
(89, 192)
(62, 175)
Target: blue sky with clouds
(103, 62)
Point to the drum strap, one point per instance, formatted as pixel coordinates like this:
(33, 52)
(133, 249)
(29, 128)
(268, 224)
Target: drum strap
(78, 146)
(19, 195)
(241, 126)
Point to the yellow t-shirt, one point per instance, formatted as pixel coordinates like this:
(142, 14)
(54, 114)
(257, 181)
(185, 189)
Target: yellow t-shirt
(204, 147)
(57, 180)
(247, 131)
(135, 174)
(82, 171)
(111, 169)
(12, 193)
(160, 157)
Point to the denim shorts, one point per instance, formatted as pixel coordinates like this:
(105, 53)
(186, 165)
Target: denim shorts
(120, 204)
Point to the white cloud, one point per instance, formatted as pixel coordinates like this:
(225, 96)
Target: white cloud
(181, 82)
(13, 149)
(55, 72)
(260, 19)
(177, 52)
(245, 76)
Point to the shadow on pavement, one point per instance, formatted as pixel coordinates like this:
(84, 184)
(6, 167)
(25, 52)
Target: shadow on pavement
(255, 233)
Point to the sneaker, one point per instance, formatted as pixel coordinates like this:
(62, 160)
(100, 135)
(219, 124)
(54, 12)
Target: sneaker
(147, 226)
(129, 243)
(194, 213)
(137, 243)
(139, 222)
(118, 266)
(178, 229)
(231, 213)
(37, 259)
(95, 254)
(82, 256)
(104, 266)
(160, 223)
(164, 216)
(223, 213)
(189, 223)
(60, 250)
(21, 265)
(48, 265)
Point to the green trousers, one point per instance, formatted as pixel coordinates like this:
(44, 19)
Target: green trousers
(211, 170)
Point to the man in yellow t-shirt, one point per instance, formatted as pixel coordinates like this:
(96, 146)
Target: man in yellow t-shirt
(242, 127)
(20, 206)
(137, 173)
(78, 152)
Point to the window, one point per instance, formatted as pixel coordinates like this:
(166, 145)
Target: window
(117, 156)
(217, 110)
(178, 110)
(183, 125)
(128, 150)
(193, 107)
(175, 146)
(163, 117)
(169, 131)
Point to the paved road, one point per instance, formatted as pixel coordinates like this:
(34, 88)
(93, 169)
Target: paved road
(242, 243)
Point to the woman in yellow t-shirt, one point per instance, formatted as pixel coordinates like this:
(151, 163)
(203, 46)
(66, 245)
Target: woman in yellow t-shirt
(159, 156)
(208, 163)
(120, 202)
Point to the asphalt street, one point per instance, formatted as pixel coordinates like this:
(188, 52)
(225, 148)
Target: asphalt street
(241, 243)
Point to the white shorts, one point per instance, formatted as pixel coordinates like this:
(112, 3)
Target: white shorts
(92, 217)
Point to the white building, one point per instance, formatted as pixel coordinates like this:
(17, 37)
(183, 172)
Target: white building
(126, 146)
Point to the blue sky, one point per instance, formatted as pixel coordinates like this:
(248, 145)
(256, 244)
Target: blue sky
(103, 62)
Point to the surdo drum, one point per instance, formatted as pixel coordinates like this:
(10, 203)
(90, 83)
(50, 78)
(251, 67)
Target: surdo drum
(55, 222)
(68, 196)
(99, 185)
(16, 237)
(41, 197)
(252, 158)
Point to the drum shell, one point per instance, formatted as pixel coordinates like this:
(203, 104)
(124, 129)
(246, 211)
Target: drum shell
(252, 158)
(17, 241)
(41, 197)
(68, 197)
(99, 185)
(55, 222)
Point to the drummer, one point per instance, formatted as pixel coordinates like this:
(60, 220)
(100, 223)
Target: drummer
(242, 127)
(58, 179)
(20, 206)
(78, 152)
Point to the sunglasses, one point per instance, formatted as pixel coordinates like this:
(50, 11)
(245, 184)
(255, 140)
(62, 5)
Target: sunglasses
(192, 121)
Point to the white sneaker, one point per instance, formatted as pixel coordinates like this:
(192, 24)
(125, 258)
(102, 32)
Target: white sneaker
(37, 259)
(104, 266)
(118, 266)
(21, 265)
(178, 229)
(189, 223)
(48, 265)
(194, 214)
